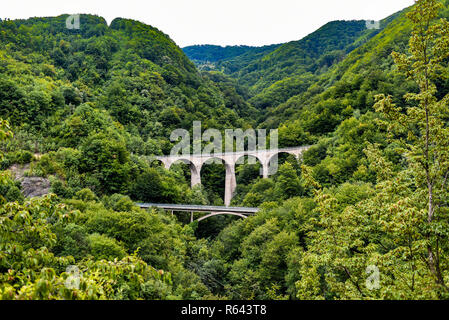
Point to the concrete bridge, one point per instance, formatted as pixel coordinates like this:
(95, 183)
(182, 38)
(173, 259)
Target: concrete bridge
(212, 211)
(267, 159)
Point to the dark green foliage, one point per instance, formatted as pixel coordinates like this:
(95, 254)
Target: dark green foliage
(10, 191)
(211, 53)
(132, 70)
(72, 241)
(155, 186)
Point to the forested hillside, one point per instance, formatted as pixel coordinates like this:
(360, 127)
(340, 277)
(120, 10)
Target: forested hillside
(83, 109)
(120, 90)
(213, 53)
(213, 57)
(272, 74)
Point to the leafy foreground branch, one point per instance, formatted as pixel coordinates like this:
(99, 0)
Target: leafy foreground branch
(403, 229)
(30, 271)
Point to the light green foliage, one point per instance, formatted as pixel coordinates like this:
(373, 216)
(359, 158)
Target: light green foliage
(33, 268)
(262, 252)
(103, 247)
(118, 202)
(9, 189)
(400, 229)
(86, 195)
(424, 124)
(288, 184)
(5, 132)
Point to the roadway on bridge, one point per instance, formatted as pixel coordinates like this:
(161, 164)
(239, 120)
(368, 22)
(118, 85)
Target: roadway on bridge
(198, 208)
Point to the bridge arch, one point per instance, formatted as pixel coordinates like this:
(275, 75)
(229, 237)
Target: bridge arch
(225, 171)
(157, 163)
(273, 160)
(248, 156)
(221, 214)
(248, 168)
(195, 170)
(215, 160)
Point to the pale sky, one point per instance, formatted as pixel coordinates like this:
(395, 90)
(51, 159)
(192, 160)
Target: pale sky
(225, 22)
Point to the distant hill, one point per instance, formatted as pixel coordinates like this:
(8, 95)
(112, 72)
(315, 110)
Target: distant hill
(348, 88)
(274, 73)
(213, 53)
(132, 70)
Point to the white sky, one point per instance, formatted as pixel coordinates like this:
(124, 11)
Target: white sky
(225, 22)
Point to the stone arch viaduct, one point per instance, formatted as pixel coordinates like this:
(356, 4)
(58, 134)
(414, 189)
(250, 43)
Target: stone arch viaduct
(265, 157)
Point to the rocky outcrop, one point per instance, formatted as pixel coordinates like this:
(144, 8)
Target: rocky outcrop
(31, 186)
(35, 187)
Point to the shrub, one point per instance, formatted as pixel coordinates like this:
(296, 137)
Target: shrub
(60, 189)
(23, 157)
(72, 241)
(19, 157)
(10, 190)
(86, 195)
(103, 247)
(118, 202)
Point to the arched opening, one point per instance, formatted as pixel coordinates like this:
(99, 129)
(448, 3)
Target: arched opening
(279, 159)
(210, 226)
(213, 176)
(156, 163)
(183, 169)
(154, 184)
(247, 170)
(187, 172)
(285, 177)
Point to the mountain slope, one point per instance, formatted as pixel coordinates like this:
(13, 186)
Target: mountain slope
(317, 50)
(97, 100)
(132, 70)
(275, 73)
(214, 57)
(350, 86)
(213, 53)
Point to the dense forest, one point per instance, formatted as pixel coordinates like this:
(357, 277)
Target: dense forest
(84, 110)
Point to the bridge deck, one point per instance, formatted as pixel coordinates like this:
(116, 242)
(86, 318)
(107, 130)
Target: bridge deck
(198, 208)
(236, 153)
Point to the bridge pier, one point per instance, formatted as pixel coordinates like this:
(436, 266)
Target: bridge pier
(195, 175)
(265, 169)
(230, 184)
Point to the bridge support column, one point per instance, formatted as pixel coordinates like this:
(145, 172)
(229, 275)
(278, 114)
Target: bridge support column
(265, 166)
(195, 175)
(166, 163)
(230, 185)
